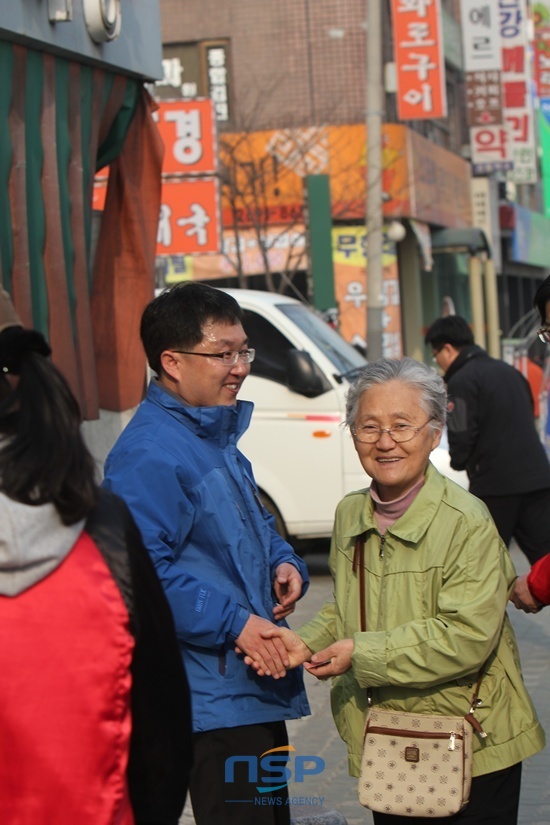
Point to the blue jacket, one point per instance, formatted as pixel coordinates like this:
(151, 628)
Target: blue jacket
(214, 546)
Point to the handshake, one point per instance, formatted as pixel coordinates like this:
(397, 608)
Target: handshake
(272, 650)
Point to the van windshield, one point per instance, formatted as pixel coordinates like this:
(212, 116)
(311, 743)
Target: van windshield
(345, 358)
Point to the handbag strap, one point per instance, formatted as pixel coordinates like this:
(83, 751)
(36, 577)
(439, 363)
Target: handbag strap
(359, 564)
(359, 568)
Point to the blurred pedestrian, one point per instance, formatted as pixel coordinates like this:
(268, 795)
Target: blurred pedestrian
(535, 376)
(532, 590)
(94, 703)
(421, 561)
(226, 571)
(492, 435)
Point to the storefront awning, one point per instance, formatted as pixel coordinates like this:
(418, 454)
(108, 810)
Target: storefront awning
(470, 240)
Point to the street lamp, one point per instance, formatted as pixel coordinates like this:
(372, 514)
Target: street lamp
(373, 123)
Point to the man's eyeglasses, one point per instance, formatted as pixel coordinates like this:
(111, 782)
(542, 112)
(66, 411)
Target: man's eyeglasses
(369, 434)
(228, 359)
(435, 354)
(544, 335)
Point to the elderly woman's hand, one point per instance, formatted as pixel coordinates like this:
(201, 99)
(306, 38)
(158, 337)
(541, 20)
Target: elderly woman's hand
(297, 651)
(332, 660)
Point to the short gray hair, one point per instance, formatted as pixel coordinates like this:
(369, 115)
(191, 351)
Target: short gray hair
(432, 387)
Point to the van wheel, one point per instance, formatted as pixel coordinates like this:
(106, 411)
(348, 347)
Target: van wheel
(271, 508)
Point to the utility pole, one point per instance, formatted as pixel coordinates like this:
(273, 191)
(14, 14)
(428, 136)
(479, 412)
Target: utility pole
(373, 67)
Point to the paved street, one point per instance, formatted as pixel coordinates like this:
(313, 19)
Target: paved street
(317, 735)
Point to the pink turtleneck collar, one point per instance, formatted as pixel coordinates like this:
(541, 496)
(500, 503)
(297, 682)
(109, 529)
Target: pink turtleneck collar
(387, 512)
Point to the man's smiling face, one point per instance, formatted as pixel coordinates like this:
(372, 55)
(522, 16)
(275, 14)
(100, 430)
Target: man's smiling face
(208, 382)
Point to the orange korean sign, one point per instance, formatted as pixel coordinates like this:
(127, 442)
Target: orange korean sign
(419, 59)
(420, 180)
(266, 172)
(188, 130)
(189, 217)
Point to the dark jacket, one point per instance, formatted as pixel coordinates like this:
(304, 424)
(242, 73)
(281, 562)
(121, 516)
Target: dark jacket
(491, 427)
(161, 741)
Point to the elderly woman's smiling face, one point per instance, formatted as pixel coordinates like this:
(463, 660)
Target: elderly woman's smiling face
(396, 467)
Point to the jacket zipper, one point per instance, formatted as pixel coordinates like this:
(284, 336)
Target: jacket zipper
(452, 736)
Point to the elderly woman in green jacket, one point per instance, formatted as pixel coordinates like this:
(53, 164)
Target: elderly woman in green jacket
(436, 578)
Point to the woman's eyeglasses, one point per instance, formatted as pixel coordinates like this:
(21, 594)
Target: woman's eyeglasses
(369, 434)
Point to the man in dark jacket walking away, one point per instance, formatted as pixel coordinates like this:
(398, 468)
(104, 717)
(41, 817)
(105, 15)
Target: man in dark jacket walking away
(492, 436)
(227, 573)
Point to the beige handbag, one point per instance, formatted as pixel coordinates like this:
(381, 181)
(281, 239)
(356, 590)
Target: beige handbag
(415, 764)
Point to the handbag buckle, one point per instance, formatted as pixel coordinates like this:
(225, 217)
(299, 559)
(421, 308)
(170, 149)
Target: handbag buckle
(412, 754)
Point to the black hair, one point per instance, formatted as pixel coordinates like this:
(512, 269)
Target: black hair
(542, 296)
(43, 457)
(175, 319)
(452, 329)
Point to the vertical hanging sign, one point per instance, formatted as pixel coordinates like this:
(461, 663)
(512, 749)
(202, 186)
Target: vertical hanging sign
(483, 63)
(190, 216)
(517, 97)
(419, 59)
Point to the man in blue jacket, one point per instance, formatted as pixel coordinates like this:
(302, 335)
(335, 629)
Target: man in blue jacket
(226, 571)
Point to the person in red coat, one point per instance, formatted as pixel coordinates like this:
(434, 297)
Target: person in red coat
(94, 701)
(532, 590)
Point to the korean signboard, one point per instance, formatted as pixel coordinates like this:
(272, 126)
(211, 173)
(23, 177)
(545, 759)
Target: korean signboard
(419, 59)
(188, 131)
(518, 105)
(285, 250)
(351, 285)
(217, 74)
(482, 61)
(194, 70)
(189, 217)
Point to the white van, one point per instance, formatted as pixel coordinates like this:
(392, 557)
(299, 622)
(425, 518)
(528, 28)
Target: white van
(303, 458)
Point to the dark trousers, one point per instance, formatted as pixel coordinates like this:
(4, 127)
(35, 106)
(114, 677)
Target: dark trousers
(494, 800)
(526, 518)
(217, 802)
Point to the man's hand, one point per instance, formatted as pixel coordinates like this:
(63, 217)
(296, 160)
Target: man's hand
(337, 658)
(288, 589)
(266, 654)
(522, 597)
(296, 651)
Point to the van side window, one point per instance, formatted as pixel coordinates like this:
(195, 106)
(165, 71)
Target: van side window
(271, 347)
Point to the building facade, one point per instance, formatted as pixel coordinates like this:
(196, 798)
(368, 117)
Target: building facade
(294, 76)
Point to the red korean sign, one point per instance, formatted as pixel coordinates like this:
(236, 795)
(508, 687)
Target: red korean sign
(188, 130)
(419, 59)
(490, 149)
(189, 220)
